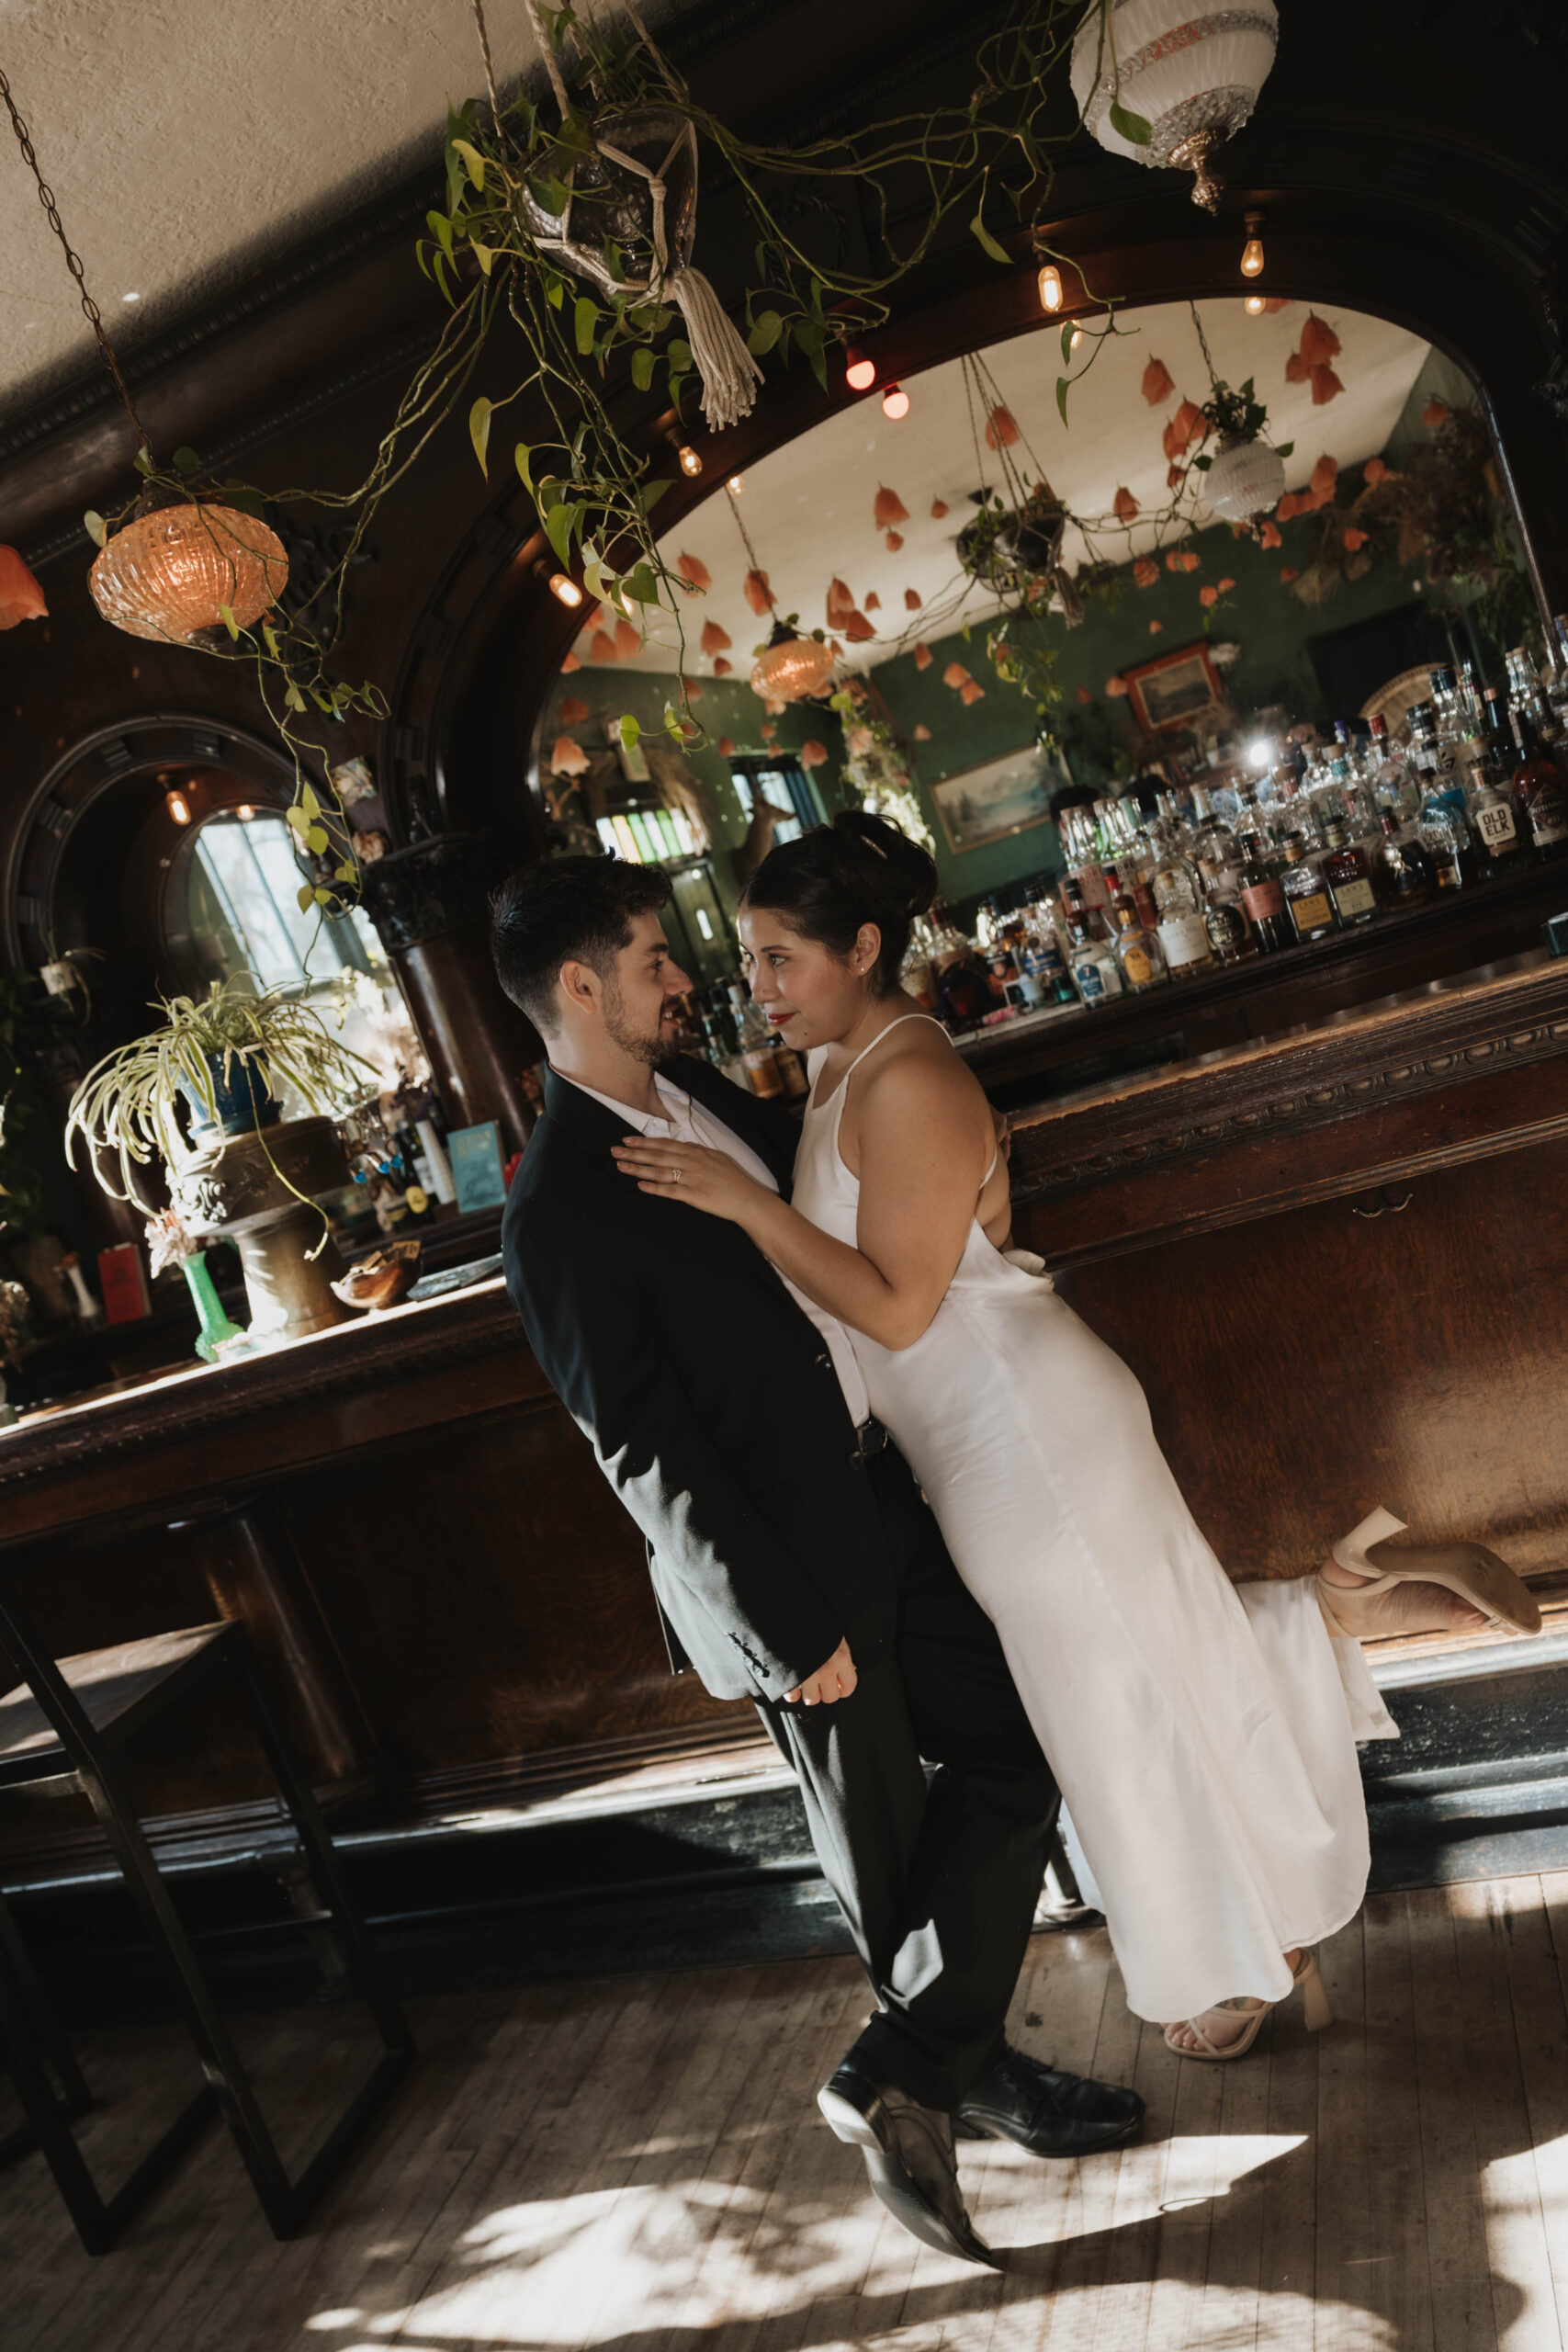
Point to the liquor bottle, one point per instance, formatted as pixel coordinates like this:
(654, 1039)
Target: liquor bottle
(763, 1075)
(1307, 901)
(1402, 871)
(1456, 723)
(795, 1077)
(1082, 859)
(1224, 917)
(1491, 812)
(1348, 876)
(1261, 896)
(1138, 953)
(1042, 950)
(1392, 787)
(1212, 846)
(1182, 933)
(1539, 789)
(1093, 965)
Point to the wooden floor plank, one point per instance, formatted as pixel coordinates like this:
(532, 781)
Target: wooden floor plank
(1399, 2282)
(1518, 2261)
(1538, 1968)
(1462, 2318)
(1229, 2311)
(1344, 2249)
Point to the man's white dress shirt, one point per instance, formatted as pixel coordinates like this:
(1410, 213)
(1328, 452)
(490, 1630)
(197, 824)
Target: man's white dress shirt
(689, 1123)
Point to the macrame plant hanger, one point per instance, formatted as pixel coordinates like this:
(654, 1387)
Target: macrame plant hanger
(726, 370)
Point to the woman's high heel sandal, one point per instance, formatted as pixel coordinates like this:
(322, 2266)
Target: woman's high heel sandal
(1318, 2014)
(1472, 1572)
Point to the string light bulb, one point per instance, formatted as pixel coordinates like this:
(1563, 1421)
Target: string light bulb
(1050, 287)
(178, 806)
(1252, 252)
(690, 463)
(566, 590)
(860, 373)
(1254, 305)
(244, 812)
(735, 484)
(895, 401)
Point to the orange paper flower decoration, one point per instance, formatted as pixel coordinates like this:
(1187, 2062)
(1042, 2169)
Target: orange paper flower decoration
(1296, 369)
(1123, 505)
(601, 645)
(1290, 507)
(1115, 687)
(570, 662)
(895, 541)
(911, 600)
(1175, 477)
(1374, 470)
(1207, 596)
(758, 594)
(1159, 383)
(721, 668)
(955, 674)
(770, 732)
(726, 747)
(938, 508)
(1001, 433)
(1188, 560)
(1225, 587)
(1355, 541)
(572, 712)
(569, 758)
(1325, 473)
(922, 657)
(21, 598)
(971, 692)
(1084, 694)
(1270, 535)
(873, 602)
(840, 605)
(1319, 342)
(1155, 628)
(922, 733)
(1435, 412)
(1185, 427)
(889, 510)
(1145, 572)
(858, 629)
(716, 640)
(813, 754)
(1326, 386)
(1173, 560)
(694, 689)
(627, 640)
(168, 574)
(1288, 572)
(694, 573)
(1273, 303)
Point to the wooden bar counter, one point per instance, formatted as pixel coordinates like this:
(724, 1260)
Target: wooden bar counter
(1336, 1256)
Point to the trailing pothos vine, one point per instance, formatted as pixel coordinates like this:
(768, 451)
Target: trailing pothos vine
(561, 219)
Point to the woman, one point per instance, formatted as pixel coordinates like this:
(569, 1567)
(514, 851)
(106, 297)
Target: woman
(1204, 1736)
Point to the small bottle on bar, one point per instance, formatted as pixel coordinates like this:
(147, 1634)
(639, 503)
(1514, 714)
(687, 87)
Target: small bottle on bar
(1348, 876)
(1307, 901)
(1262, 897)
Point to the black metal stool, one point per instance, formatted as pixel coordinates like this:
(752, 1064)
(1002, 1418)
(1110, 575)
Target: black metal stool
(79, 1721)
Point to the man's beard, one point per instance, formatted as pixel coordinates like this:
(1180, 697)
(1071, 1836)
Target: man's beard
(652, 1052)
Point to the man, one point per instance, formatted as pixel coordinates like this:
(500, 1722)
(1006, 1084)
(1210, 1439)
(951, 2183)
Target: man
(794, 1561)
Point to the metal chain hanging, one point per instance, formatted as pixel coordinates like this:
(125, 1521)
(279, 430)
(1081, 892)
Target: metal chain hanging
(73, 262)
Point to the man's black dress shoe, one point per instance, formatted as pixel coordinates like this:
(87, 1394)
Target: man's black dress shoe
(1046, 2111)
(909, 2154)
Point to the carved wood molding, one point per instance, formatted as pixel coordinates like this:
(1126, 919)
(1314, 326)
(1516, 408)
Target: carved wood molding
(1343, 1070)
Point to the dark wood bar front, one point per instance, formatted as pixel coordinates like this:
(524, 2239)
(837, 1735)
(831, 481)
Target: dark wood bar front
(1336, 1258)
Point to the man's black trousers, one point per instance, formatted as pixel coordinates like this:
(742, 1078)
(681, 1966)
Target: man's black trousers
(938, 1883)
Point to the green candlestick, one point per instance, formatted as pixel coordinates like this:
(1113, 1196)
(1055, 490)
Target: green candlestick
(216, 1329)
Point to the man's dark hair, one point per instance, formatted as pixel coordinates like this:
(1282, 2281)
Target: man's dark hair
(573, 909)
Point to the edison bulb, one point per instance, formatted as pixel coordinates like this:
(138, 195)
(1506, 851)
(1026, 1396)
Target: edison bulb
(1050, 287)
(895, 401)
(1252, 259)
(178, 807)
(1254, 305)
(735, 484)
(690, 461)
(567, 590)
(860, 373)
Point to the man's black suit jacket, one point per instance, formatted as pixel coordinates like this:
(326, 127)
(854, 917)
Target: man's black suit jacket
(711, 1400)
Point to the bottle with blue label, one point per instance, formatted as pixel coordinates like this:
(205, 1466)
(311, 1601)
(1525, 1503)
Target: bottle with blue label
(1092, 963)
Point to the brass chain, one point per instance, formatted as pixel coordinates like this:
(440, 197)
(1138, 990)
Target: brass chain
(73, 262)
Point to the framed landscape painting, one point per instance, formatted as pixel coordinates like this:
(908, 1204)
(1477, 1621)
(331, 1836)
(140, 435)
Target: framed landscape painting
(1175, 690)
(999, 798)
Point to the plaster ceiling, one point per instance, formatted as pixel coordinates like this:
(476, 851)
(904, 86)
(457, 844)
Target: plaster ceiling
(185, 141)
(809, 508)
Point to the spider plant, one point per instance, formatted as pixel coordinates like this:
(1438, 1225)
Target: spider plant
(240, 1037)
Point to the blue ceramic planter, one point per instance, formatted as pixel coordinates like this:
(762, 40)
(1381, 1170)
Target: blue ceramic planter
(245, 1103)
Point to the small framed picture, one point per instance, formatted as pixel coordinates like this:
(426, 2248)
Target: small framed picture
(1176, 691)
(477, 1167)
(998, 799)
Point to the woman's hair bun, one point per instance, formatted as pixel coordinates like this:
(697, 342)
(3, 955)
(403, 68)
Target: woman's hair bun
(860, 869)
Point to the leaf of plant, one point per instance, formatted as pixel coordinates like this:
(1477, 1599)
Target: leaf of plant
(671, 721)
(483, 255)
(1132, 127)
(642, 367)
(305, 897)
(293, 700)
(441, 230)
(309, 802)
(271, 636)
(765, 331)
(640, 585)
(678, 351)
(142, 460)
(629, 732)
(186, 461)
(1067, 333)
(585, 315)
(521, 456)
(998, 253)
(1061, 396)
(557, 527)
(474, 162)
(316, 841)
(226, 615)
(1285, 449)
(323, 898)
(95, 527)
(346, 872)
(1203, 464)
(479, 433)
(650, 493)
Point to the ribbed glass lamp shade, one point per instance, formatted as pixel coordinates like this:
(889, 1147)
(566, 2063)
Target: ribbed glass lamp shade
(792, 666)
(1246, 479)
(1186, 73)
(168, 574)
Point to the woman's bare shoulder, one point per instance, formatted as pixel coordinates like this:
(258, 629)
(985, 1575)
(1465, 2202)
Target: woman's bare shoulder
(917, 1072)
